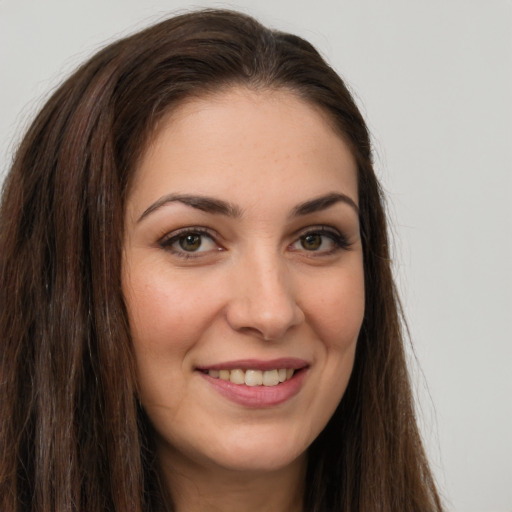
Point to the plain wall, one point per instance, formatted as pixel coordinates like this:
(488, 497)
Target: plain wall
(434, 80)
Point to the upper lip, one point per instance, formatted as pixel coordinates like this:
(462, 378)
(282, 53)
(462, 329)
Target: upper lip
(258, 364)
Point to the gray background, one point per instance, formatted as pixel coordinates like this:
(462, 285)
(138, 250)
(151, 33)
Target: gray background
(434, 80)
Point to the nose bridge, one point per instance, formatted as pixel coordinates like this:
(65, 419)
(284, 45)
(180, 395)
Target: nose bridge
(264, 299)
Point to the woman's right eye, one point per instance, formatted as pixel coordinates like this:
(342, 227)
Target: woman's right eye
(188, 243)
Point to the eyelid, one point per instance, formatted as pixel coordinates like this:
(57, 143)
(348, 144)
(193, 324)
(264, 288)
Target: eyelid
(337, 237)
(168, 240)
(188, 229)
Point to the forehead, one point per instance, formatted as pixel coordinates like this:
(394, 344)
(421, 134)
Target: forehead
(263, 141)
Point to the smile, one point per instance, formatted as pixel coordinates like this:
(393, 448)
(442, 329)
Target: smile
(256, 383)
(254, 377)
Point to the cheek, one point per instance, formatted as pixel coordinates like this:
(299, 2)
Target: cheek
(166, 313)
(335, 311)
(335, 307)
(167, 319)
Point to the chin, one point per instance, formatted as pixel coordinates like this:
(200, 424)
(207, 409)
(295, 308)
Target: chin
(245, 451)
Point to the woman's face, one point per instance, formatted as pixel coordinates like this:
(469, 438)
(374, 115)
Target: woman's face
(243, 278)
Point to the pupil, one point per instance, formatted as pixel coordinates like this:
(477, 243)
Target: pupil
(190, 242)
(312, 242)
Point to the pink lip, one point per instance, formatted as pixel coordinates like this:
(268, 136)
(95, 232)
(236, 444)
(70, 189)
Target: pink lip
(258, 364)
(258, 396)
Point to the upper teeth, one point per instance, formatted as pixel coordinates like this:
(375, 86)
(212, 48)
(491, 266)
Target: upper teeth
(253, 377)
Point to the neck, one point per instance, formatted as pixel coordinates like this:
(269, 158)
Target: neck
(196, 488)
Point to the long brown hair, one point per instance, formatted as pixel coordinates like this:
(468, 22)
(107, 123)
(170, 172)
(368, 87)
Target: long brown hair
(72, 436)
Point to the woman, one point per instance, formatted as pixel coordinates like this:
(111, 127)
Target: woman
(197, 307)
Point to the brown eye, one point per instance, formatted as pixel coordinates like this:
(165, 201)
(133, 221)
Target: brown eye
(320, 242)
(190, 242)
(311, 242)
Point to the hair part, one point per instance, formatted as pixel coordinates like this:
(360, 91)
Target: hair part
(73, 436)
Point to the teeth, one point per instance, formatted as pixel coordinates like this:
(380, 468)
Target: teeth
(237, 377)
(254, 377)
(270, 378)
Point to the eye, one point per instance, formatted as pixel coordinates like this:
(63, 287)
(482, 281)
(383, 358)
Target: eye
(323, 241)
(312, 241)
(189, 242)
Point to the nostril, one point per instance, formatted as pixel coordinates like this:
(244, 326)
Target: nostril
(268, 326)
(262, 301)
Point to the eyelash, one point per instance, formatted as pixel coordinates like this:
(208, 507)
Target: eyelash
(340, 241)
(167, 242)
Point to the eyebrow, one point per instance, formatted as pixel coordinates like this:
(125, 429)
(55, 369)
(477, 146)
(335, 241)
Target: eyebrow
(220, 207)
(322, 203)
(203, 203)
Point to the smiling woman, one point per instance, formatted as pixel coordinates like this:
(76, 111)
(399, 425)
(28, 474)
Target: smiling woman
(274, 265)
(197, 309)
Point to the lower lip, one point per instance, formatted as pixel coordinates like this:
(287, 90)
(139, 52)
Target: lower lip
(258, 396)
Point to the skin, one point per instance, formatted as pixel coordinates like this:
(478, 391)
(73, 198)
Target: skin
(256, 288)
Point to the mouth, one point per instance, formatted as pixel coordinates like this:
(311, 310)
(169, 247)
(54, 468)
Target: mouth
(253, 377)
(254, 383)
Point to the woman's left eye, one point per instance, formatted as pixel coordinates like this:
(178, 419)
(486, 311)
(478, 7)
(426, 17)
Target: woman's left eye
(320, 241)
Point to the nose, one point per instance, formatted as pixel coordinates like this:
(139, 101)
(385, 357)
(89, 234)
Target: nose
(263, 300)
